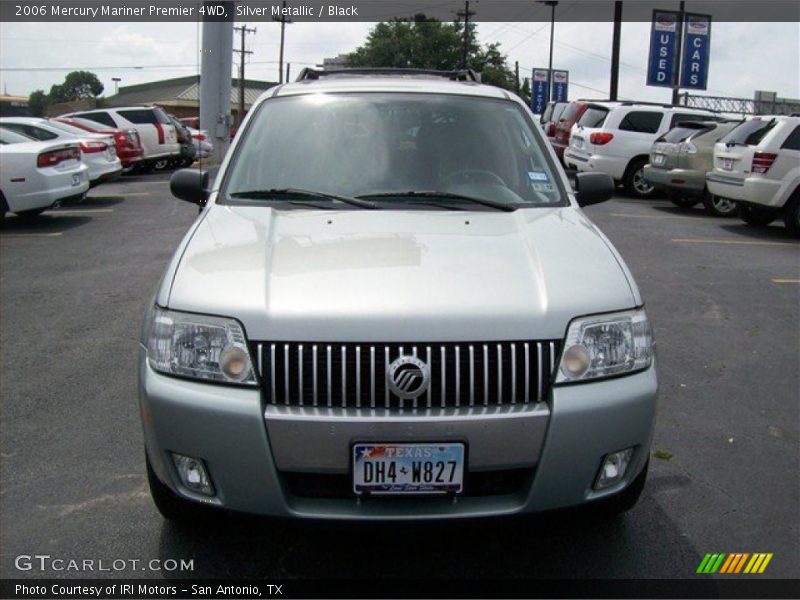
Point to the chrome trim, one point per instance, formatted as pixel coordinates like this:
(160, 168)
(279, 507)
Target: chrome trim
(539, 371)
(314, 360)
(458, 375)
(527, 374)
(330, 392)
(358, 376)
(300, 374)
(513, 373)
(486, 374)
(372, 376)
(344, 376)
(286, 372)
(471, 375)
(499, 373)
(274, 398)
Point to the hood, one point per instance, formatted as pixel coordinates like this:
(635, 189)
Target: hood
(392, 276)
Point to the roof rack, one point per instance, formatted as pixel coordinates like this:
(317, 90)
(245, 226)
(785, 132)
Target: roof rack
(663, 105)
(309, 74)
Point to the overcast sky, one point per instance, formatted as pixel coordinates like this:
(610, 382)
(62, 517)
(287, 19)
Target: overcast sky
(744, 56)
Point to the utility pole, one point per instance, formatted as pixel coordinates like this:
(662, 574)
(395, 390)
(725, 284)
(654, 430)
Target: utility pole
(215, 78)
(678, 51)
(552, 4)
(283, 21)
(516, 76)
(465, 14)
(615, 43)
(288, 69)
(243, 30)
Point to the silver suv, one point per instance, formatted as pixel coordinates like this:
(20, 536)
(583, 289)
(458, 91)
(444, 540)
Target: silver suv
(392, 307)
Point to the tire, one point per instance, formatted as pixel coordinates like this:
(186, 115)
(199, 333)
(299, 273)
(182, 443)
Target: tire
(174, 508)
(718, 206)
(627, 498)
(146, 168)
(30, 214)
(683, 202)
(635, 183)
(791, 218)
(756, 216)
(3, 206)
(162, 164)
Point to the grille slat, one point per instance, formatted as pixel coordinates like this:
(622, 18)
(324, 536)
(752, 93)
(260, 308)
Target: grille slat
(499, 374)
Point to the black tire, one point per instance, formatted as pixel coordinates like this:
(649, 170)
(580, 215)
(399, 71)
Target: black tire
(627, 498)
(3, 206)
(719, 206)
(791, 217)
(145, 168)
(635, 183)
(683, 202)
(756, 216)
(162, 164)
(31, 214)
(173, 507)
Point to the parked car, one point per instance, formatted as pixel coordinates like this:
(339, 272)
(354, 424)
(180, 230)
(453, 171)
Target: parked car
(680, 159)
(339, 327)
(616, 137)
(156, 131)
(126, 141)
(563, 127)
(758, 165)
(202, 143)
(549, 118)
(97, 151)
(37, 175)
(187, 153)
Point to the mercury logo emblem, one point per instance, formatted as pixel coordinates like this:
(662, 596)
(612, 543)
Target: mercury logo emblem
(408, 377)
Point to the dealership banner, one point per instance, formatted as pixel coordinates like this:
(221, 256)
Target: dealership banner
(696, 51)
(662, 66)
(560, 85)
(539, 83)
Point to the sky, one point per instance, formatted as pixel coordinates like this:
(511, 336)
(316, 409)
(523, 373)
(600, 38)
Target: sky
(744, 56)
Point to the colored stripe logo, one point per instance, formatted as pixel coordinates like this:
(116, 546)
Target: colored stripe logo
(734, 563)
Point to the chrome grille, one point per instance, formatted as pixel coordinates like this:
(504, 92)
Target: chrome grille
(326, 374)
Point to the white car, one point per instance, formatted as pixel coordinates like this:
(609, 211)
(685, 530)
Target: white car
(156, 131)
(616, 138)
(98, 151)
(202, 143)
(758, 165)
(37, 175)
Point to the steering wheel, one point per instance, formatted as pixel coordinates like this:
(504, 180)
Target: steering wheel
(474, 176)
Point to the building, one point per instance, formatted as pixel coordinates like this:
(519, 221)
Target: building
(13, 106)
(179, 96)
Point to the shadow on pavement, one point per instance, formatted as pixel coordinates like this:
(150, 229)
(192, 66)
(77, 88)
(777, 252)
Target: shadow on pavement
(47, 223)
(99, 201)
(772, 233)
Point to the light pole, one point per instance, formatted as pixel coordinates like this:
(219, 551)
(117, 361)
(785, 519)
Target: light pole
(552, 4)
(116, 81)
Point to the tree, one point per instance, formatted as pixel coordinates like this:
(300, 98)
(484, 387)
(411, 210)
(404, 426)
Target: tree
(37, 102)
(81, 85)
(427, 43)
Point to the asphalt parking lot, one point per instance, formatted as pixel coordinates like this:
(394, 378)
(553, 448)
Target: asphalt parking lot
(724, 299)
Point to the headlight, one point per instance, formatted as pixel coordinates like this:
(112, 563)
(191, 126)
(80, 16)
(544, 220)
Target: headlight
(200, 346)
(606, 345)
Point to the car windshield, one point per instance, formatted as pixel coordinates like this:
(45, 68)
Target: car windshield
(386, 146)
(749, 133)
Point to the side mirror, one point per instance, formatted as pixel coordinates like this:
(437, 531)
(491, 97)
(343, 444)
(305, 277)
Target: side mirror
(190, 185)
(593, 188)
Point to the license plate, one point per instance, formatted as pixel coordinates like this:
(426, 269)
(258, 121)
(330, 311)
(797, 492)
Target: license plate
(727, 164)
(578, 142)
(407, 469)
(658, 159)
(76, 179)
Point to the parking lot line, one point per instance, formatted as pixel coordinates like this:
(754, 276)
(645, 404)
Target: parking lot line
(77, 211)
(786, 280)
(24, 235)
(121, 195)
(742, 242)
(635, 216)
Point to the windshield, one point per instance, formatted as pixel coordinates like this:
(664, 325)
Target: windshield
(749, 133)
(388, 145)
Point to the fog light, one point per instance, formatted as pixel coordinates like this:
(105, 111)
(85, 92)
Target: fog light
(193, 474)
(613, 469)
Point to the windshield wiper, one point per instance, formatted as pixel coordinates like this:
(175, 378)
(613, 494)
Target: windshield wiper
(426, 194)
(283, 193)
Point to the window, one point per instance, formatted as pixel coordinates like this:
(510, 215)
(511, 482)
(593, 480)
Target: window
(594, 116)
(641, 121)
(568, 115)
(683, 132)
(35, 133)
(749, 133)
(793, 141)
(679, 117)
(98, 117)
(140, 116)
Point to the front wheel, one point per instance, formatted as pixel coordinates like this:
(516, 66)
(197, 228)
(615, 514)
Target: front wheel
(792, 216)
(683, 202)
(635, 183)
(756, 216)
(719, 206)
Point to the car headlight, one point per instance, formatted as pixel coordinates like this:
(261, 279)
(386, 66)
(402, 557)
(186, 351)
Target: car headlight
(605, 345)
(199, 346)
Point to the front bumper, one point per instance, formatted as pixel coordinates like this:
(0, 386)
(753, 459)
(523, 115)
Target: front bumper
(247, 448)
(685, 181)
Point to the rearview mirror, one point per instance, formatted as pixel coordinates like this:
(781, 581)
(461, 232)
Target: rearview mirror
(593, 188)
(190, 185)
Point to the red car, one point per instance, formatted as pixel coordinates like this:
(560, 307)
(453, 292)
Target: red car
(128, 145)
(568, 118)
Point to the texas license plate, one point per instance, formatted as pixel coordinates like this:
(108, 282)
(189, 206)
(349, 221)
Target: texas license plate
(406, 469)
(578, 142)
(658, 159)
(727, 164)
(76, 179)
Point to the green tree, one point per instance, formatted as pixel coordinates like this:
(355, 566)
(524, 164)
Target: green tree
(77, 85)
(427, 43)
(37, 102)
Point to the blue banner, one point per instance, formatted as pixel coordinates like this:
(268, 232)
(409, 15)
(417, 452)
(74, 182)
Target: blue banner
(696, 51)
(539, 83)
(662, 67)
(560, 85)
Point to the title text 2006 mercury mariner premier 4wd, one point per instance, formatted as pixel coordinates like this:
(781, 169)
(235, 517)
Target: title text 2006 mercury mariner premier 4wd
(391, 292)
